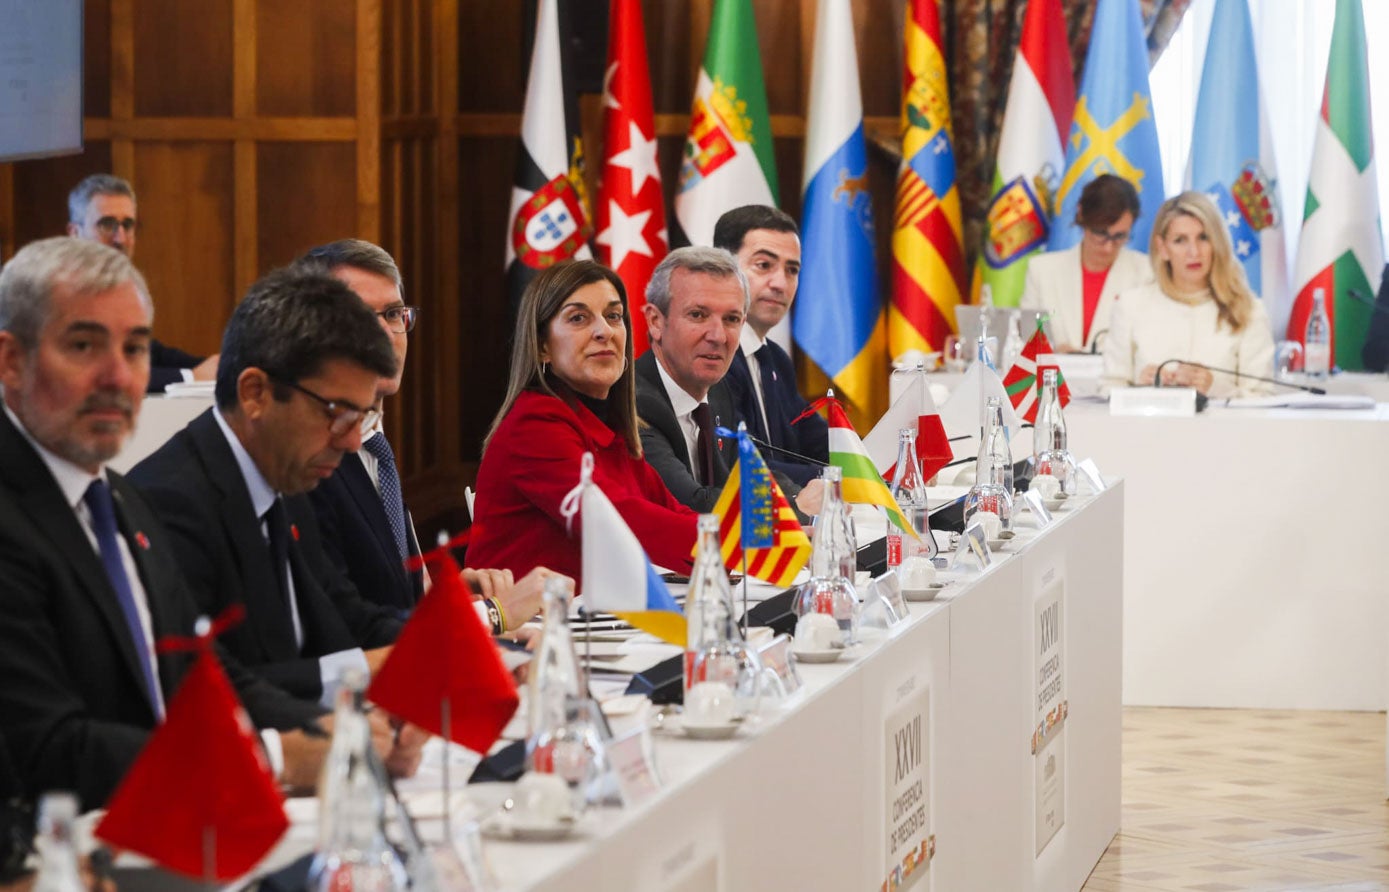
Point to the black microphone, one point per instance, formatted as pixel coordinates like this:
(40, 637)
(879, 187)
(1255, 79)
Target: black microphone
(762, 444)
(1362, 297)
(1095, 344)
(1202, 400)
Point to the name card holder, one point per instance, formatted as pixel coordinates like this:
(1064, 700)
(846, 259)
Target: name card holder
(776, 658)
(1090, 473)
(888, 587)
(973, 543)
(1156, 402)
(633, 763)
(1034, 503)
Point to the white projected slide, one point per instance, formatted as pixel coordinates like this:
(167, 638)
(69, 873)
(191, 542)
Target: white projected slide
(40, 78)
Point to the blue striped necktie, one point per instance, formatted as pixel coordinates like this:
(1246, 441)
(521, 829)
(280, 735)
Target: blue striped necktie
(388, 484)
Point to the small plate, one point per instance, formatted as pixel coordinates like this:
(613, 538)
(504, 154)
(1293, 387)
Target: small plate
(818, 656)
(1055, 504)
(924, 594)
(502, 826)
(709, 732)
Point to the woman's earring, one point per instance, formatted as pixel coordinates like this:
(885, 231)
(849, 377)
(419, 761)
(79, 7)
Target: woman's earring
(544, 368)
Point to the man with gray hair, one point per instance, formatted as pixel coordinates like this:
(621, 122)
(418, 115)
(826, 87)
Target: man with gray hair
(90, 582)
(101, 208)
(696, 303)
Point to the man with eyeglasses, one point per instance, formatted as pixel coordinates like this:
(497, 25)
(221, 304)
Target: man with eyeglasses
(1077, 287)
(101, 208)
(302, 359)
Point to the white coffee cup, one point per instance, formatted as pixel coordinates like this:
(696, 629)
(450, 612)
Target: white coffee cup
(709, 703)
(989, 521)
(542, 798)
(1045, 485)
(817, 631)
(917, 573)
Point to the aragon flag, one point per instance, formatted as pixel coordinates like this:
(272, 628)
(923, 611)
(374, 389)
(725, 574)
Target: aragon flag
(1341, 248)
(549, 219)
(728, 160)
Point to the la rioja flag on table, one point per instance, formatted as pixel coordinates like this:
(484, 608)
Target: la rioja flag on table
(1024, 380)
(862, 482)
(1341, 249)
(200, 799)
(631, 210)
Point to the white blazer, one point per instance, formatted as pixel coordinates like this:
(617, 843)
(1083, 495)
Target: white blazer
(1054, 286)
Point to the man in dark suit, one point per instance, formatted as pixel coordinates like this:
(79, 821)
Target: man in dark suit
(762, 377)
(90, 581)
(101, 208)
(301, 359)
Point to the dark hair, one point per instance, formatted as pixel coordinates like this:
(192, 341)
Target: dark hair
(354, 253)
(1104, 200)
(734, 225)
(94, 185)
(541, 302)
(290, 323)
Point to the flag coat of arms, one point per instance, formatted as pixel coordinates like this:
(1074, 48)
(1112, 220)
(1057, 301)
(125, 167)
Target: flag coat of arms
(1024, 380)
(729, 159)
(757, 527)
(928, 256)
(1031, 152)
(1112, 128)
(1341, 248)
(549, 219)
(631, 235)
(618, 577)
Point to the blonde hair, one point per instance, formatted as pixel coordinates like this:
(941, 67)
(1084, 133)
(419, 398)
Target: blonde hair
(544, 297)
(1228, 285)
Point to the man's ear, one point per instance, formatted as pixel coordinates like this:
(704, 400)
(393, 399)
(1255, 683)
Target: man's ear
(254, 392)
(13, 360)
(74, 230)
(655, 323)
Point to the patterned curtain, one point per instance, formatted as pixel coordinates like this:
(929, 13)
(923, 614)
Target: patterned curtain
(981, 39)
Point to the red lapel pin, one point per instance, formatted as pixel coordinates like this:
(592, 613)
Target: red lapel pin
(294, 531)
(142, 540)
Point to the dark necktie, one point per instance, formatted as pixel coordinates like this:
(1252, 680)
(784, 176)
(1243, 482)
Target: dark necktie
(103, 509)
(388, 483)
(704, 444)
(276, 519)
(771, 397)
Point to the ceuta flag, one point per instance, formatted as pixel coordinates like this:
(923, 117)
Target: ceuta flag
(1340, 250)
(200, 799)
(549, 219)
(631, 209)
(755, 517)
(1024, 380)
(444, 651)
(928, 255)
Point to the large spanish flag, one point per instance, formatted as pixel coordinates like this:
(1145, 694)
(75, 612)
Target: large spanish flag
(928, 258)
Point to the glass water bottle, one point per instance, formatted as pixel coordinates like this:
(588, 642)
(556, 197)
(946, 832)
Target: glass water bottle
(715, 650)
(1050, 454)
(991, 496)
(833, 562)
(909, 489)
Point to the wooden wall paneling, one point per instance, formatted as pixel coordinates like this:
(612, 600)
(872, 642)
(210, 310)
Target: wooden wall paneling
(182, 58)
(245, 75)
(304, 196)
(96, 58)
(186, 246)
(444, 401)
(673, 55)
(122, 83)
(368, 148)
(40, 192)
(306, 58)
(492, 61)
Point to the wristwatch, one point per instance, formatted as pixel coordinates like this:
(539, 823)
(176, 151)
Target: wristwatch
(494, 616)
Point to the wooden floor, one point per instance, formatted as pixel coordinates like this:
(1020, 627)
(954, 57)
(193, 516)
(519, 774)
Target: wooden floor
(1220, 800)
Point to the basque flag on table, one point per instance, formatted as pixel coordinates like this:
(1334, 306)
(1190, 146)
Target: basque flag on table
(1024, 380)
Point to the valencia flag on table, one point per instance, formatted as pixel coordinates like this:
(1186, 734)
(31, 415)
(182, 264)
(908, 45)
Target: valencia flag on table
(756, 521)
(445, 652)
(200, 799)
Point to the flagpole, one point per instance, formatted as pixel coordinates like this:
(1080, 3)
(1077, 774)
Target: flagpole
(210, 856)
(446, 715)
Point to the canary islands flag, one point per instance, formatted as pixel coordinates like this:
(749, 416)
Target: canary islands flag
(1112, 130)
(617, 576)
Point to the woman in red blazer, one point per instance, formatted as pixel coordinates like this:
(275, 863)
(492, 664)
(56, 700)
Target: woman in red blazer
(571, 391)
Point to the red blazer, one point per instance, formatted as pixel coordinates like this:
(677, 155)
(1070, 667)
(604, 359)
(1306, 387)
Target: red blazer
(530, 465)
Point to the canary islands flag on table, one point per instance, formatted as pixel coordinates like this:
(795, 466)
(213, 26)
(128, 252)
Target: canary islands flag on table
(838, 319)
(1112, 130)
(617, 576)
(862, 482)
(756, 521)
(928, 255)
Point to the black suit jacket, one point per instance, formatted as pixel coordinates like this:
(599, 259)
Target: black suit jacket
(808, 437)
(663, 441)
(72, 700)
(1375, 353)
(167, 365)
(196, 488)
(357, 537)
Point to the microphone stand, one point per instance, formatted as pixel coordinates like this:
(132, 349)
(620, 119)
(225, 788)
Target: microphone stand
(1202, 400)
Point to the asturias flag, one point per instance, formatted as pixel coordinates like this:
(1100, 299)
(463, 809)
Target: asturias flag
(729, 161)
(1112, 130)
(928, 255)
(549, 219)
(631, 209)
(1341, 248)
(756, 520)
(1031, 152)
(1232, 155)
(838, 318)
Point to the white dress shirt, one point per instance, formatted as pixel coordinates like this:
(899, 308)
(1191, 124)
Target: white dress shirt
(749, 342)
(684, 406)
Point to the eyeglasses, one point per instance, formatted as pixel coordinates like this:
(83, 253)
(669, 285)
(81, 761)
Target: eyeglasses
(107, 226)
(400, 319)
(342, 417)
(1108, 238)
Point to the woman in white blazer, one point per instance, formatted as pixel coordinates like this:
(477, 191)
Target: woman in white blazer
(1076, 287)
(1200, 309)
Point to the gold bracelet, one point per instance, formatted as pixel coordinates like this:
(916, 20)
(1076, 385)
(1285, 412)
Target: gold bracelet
(501, 614)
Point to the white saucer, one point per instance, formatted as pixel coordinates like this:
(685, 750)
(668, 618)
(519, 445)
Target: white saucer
(997, 544)
(1055, 504)
(924, 594)
(504, 826)
(829, 655)
(709, 732)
